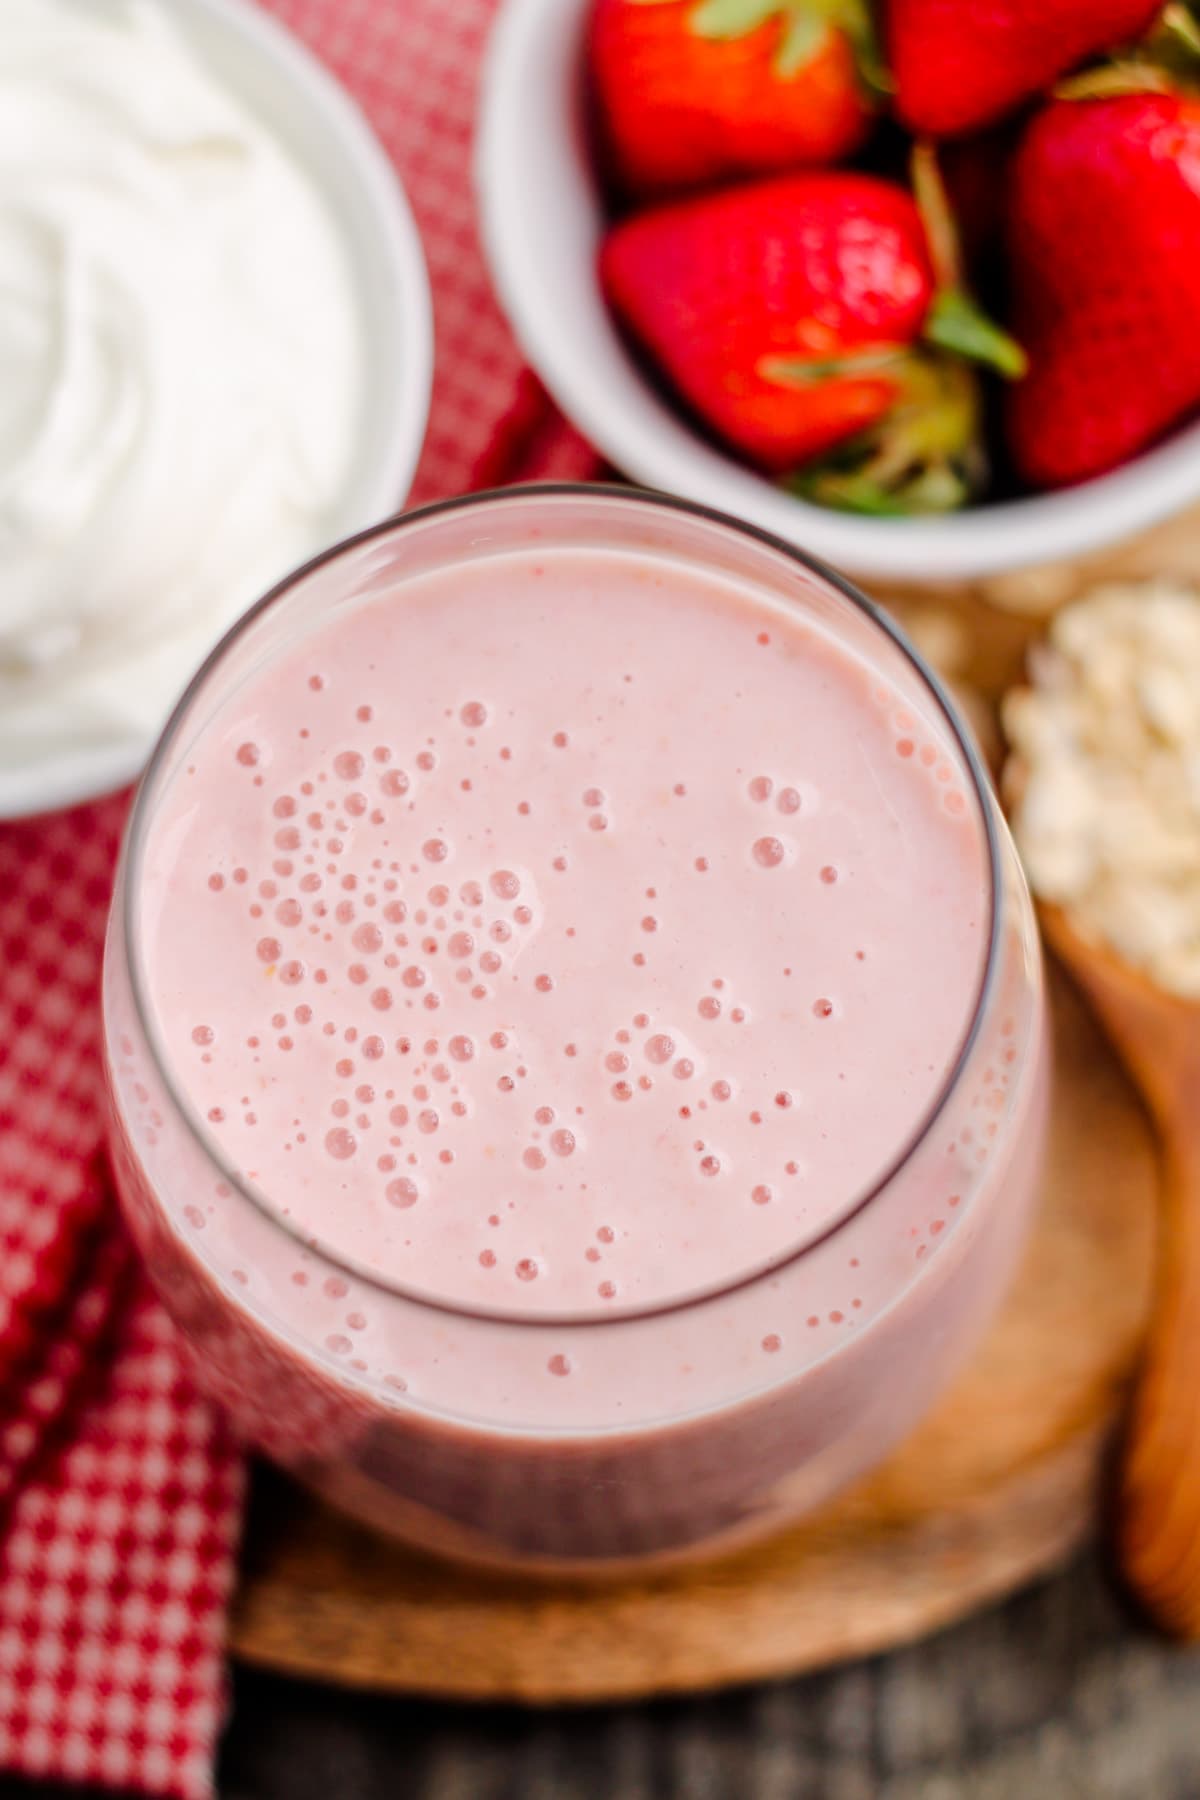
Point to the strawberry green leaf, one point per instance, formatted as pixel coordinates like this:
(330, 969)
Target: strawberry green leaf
(1162, 62)
(724, 19)
(856, 20)
(806, 24)
(794, 371)
(923, 456)
(803, 36)
(937, 490)
(845, 491)
(956, 322)
(1113, 80)
(1178, 24)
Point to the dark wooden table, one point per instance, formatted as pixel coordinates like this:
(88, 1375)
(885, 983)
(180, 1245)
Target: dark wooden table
(1054, 1696)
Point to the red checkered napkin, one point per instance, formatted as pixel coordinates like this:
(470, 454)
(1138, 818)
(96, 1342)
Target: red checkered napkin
(120, 1495)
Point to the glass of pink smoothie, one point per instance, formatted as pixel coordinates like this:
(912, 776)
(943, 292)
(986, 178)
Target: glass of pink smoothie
(575, 1029)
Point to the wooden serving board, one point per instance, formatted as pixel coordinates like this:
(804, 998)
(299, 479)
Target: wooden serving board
(999, 1484)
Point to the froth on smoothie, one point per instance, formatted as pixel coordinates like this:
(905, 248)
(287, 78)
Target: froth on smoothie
(565, 933)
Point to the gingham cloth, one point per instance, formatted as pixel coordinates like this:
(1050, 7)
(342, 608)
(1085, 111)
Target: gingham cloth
(120, 1494)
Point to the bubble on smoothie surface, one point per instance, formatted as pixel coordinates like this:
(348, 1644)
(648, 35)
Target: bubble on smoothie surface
(509, 1021)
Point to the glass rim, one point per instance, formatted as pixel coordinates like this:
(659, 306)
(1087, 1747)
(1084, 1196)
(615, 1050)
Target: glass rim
(141, 816)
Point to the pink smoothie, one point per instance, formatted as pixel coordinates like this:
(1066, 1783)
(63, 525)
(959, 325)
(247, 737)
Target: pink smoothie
(557, 938)
(569, 956)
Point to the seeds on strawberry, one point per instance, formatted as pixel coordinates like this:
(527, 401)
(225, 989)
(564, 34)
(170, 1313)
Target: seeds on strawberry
(1108, 316)
(956, 69)
(821, 269)
(819, 323)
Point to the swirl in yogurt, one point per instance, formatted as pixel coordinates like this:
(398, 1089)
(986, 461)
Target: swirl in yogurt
(180, 369)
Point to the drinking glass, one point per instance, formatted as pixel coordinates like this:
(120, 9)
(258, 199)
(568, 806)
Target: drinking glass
(687, 1441)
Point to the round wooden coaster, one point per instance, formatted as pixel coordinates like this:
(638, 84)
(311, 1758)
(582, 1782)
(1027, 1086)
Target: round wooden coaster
(999, 1484)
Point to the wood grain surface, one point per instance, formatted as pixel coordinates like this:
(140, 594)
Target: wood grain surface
(1000, 1483)
(1156, 1511)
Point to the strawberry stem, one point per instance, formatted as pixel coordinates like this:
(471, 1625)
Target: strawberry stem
(937, 216)
(955, 320)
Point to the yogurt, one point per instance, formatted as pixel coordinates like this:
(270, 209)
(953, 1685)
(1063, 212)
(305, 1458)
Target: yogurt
(180, 370)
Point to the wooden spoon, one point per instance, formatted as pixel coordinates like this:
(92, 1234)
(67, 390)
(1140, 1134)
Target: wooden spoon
(1157, 1500)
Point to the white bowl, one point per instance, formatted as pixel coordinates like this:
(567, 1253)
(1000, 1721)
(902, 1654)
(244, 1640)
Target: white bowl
(542, 223)
(281, 81)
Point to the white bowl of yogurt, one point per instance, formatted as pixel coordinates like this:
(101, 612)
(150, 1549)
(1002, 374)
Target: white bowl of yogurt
(215, 358)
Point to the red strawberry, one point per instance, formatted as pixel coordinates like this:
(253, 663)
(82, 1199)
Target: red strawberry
(785, 312)
(817, 267)
(958, 66)
(693, 91)
(1104, 247)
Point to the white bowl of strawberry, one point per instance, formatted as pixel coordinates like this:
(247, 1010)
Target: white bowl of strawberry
(913, 288)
